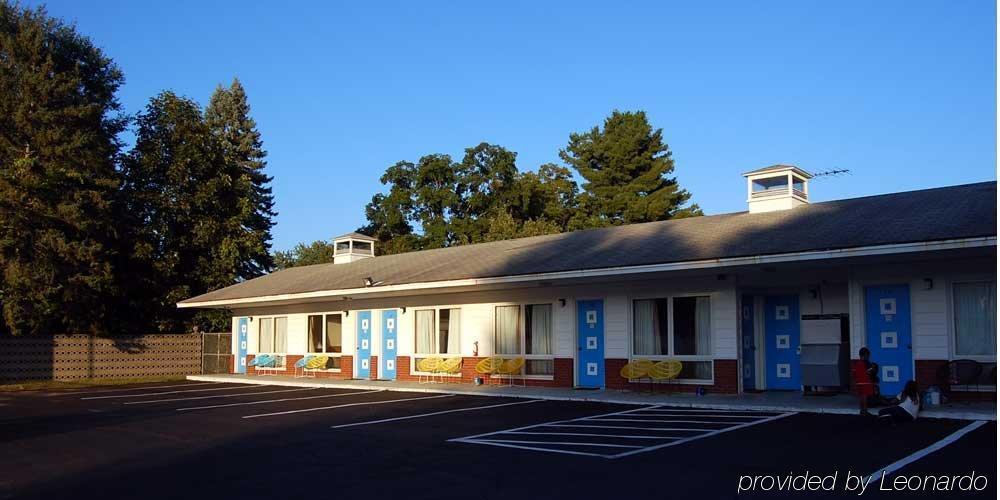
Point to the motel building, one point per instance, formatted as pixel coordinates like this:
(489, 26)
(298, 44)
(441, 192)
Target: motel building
(777, 298)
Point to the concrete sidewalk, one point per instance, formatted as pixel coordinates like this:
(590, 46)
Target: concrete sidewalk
(844, 404)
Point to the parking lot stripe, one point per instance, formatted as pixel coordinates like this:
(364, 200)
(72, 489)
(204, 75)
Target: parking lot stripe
(713, 415)
(216, 396)
(625, 436)
(691, 429)
(282, 400)
(702, 436)
(473, 408)
(663, 421)
(562, 443)
(903, 462)
(532, 448)
(131, 389)
(364, 403)
(147, 394)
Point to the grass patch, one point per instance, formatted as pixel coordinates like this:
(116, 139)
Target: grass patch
(46, 385)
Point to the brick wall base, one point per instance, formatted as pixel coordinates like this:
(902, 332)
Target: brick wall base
(725, 372)
(346, 368)
(926, 375)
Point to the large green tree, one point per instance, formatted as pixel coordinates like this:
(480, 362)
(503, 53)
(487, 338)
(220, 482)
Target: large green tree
(180, 197)
(317, 252)
(228, 118)
(59, 122)
(627, 168)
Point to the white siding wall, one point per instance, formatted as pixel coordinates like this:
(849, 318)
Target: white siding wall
(616, 327)
(725, 328)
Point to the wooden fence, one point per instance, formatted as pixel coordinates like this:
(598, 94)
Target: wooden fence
(78, 357)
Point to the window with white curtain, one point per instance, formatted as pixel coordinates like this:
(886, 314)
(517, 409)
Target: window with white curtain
(526, 331)
(677, 327)
(438, 331)
(265, 343)
(650, 332)
(975, 312)
(273, 336)
(324, 337)
(538, 339)
(507, 334)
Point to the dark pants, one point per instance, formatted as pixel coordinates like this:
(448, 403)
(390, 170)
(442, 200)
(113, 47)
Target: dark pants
(895, 413)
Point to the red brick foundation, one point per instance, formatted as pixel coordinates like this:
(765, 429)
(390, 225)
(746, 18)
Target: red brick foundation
(346, 368)
(926, 375)
(563, 376)
(725, 374)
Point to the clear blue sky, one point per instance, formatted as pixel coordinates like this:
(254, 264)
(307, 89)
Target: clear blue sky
(900, 92)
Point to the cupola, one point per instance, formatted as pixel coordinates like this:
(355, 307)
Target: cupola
(778, 187)
(351, 247)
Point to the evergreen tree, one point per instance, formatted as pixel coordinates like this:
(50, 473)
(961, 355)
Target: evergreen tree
(627, 169)
(181, 198)
(59, 121)
(228, 118)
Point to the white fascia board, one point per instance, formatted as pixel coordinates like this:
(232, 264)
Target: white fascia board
(986, 241)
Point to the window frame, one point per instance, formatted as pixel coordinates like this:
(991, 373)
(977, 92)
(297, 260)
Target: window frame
(415, 355)
(522, 334)
(323, 316)
(259, 320)
(669, 297)
(953, 327)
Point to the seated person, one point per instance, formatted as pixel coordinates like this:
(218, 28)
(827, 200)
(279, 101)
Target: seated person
(906, 410)
(865, 379)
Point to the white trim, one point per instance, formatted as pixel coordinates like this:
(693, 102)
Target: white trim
(983, 241)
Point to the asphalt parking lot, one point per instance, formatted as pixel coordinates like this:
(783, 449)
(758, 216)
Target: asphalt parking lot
(198, 439)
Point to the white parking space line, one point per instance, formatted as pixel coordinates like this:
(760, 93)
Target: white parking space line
(890, 469)
(703, 436)
(282, 400)
(132, 389)
(363, 403)
(623, 436)
(147, 394)
(605, 431)
(564, 443)
(216, 396)
(422, 415)
(688, 429)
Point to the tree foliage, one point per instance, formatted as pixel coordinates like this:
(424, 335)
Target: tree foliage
(627, 167)
(96, 241)
(437, 202)
(317, 252)
(59, 122)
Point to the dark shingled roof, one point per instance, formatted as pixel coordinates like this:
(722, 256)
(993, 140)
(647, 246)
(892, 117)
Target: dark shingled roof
(928, 215)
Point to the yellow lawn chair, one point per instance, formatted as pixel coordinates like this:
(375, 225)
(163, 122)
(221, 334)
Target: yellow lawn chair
(665, 370)
(427, 368)
(315, 363)
(637, 369)
(489, 367)
(450, 366)
(512, 367)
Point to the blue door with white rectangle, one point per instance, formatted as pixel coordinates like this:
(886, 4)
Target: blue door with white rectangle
(242, 331)
(387, 370)
(749, 350)
(781, 334)
(590, 344)
(887, 327)
(364, 344)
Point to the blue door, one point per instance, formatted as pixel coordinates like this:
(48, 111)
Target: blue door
(388, 361)
(241, 345)
(749, 349)
(590, 343)
(887, 325)
(781, 334)
(364, 344)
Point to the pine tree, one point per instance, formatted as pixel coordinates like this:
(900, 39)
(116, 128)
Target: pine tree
(228, 118)
(180, 199)
(59, 122)
(627, 167)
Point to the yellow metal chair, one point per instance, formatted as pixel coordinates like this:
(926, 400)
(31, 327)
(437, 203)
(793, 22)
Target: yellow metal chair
(450, 366)
(637, 369)
(665, 370)
(512, 367)
(489, 367)
(427, 368)
(314, 363)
